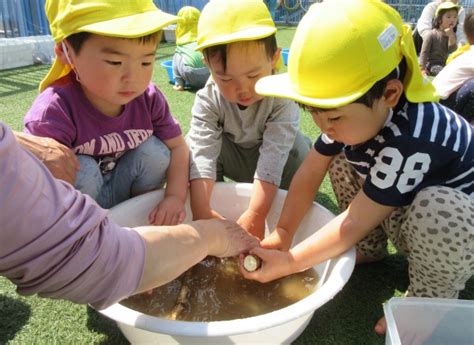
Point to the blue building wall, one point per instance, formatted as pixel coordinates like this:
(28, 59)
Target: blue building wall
(20, 18)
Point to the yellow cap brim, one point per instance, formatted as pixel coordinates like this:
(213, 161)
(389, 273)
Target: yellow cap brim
(138, 25)
(417, 88)
(279, 85)
(249, 34)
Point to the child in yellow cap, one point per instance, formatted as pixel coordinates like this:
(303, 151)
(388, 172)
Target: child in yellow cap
(235, 132)
(439, 42)
(188, 63)
(98, 100)
(401, 164)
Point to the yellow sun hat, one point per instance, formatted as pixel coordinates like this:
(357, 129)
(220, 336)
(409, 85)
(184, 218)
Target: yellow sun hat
(447, 5)
(115, 18)
(186, 29)
(341, 48)
(228, 21)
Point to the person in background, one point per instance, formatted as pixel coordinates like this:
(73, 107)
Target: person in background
(455, 83)
(98, 100)
(235, 132)
(57, 242)
(440, 41)
(401, 164)
(425, 23)
(188, 64)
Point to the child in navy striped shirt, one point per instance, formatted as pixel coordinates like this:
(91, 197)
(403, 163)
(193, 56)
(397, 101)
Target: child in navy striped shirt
(401, 164)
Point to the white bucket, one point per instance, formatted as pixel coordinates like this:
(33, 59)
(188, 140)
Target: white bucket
(281, 326)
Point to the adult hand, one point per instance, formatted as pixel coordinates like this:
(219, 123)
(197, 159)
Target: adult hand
(177, 248)
(275, 264)
(253, 223)
(58, 158)
(279, 239)
(170, 211)
(226, 238)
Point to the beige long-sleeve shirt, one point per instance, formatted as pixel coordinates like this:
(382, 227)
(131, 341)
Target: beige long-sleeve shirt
(271, 122)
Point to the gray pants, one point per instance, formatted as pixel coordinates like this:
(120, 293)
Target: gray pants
(435, 232)
(239, 164)
(188, 76)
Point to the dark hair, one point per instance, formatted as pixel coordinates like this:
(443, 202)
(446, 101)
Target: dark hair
(269, 42)
(469, 26)
(374, 93)
(77, 40)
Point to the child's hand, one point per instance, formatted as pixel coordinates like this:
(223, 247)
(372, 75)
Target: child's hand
(449, 31)
(253, 223)
(279, 239)
(275, 264)
(170, 211)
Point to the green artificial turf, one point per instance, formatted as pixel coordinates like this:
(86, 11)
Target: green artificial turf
(347, 319)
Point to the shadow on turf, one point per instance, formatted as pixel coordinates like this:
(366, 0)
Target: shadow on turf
(98, 323)
(22, 79)
(350, 317)
(14, 315)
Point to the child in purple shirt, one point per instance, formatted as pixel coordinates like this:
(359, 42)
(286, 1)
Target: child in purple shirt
(98, 100)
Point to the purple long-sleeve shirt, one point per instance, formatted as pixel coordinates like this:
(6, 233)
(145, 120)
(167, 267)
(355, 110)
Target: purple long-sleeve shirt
(55, 241)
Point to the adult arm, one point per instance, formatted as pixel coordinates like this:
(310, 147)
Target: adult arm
(59, 243)
(425, 21)
(193, 242)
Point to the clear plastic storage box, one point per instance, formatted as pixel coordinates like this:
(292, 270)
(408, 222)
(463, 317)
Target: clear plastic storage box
(429, 321)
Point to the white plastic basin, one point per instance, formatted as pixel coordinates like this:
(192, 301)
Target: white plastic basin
(281, 326)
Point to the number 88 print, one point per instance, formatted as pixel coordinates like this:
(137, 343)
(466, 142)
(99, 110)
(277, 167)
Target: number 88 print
(390, 162)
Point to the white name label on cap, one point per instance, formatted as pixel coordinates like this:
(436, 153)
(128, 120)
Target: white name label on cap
(387, 37)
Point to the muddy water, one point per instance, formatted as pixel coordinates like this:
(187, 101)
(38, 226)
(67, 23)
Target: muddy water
(214, 290)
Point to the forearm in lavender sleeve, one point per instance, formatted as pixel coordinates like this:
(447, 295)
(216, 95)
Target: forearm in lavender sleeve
(57, 242)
